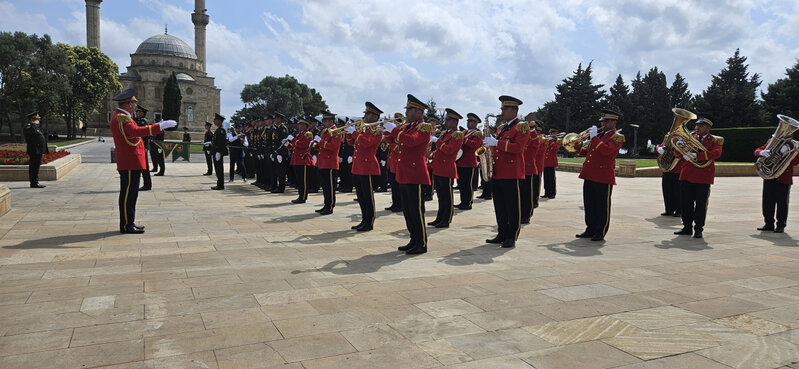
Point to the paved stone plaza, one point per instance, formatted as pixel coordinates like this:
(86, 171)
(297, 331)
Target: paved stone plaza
(244, 279)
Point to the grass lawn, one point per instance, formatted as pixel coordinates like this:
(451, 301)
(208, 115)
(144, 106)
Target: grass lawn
(640, 163)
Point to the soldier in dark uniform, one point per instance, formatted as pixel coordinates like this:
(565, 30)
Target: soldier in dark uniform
(141, 121)
(219, 147)
(37, 146)
(186, 135)
(208, 139)
(265, 147)
(282, 154)
(157, 154)
(238, 142)
(256, 151)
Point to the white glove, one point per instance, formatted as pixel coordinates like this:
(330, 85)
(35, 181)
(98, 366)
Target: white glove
(433, 139)
(764, 153)
(167, 124)
(490, 141)
(349, 159)
(551, 138)
(593, 131)
(680, 142)
(689, 156)
(382, 163)
(290, 137)
(218, 156)
(350, 129)
(317, 138)
(314, 158)
(340, 160)
(784, 149)
(660, 150)
(389, 126)
(279, 158)
(272, 157)
(207, 144)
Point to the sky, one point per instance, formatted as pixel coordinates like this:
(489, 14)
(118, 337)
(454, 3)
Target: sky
(463, 54)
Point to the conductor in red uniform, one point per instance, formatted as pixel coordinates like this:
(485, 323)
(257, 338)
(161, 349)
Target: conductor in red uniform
(327, 161)
(412, 140)
(365, 168)
(444, 168)
(467, 164)
(508, 159)
(695, 181)
(550, 163)
(598, 174)
(129, 149)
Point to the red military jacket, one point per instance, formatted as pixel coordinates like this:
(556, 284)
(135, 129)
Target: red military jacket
(472, 140)
(299, 149)
(393, 147)
(680, 161)
(128, 145)
(539, 158)
(787, 176)
(531, 154)
(706, 175)
(509, 152)
(446, 151)
(364, 160)
(551, 153)
(600, 157)
(327, 158)
(413, 139)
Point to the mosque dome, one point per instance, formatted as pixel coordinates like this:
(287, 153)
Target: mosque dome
(167, 45)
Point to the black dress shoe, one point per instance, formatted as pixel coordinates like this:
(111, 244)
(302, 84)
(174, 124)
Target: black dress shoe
(406, 247)
(433, 223)
(365, 228)
(416, 250)
(359, 225)
(276, 191)
(508, 244)
(535, 206)
(779, 229)
(685, 231)
(767, 227)
(585, 234)
(154, 170)
(207, 174)
(159, 174)
(218, 188)
(132, 230)
(442, 225)
(320, 210)
(525, 221)
(666, 213)
(390, 208)
(326, 212)
(597, 237)
(145, 188)
(463, 207)
(698, 234)
(397, 210)
(36, 185)
(297, 201)
(496, 240)
(138, 226)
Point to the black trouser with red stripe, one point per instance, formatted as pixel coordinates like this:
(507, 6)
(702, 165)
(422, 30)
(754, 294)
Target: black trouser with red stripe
(128, 194)
(775, 195)
(596, 201)
(364, 190)
(413, 211)
(694, 204)
(466, 178)
(507, 207)
(328, 179)
(527, 196)
(445, 199)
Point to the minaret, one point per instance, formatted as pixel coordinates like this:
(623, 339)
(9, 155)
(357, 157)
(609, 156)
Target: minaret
(93, 23)
(200, 20)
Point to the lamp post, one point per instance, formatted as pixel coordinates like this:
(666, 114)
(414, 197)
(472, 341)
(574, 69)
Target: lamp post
(635, 140)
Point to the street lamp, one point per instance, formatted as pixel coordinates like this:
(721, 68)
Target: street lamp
(635, 140)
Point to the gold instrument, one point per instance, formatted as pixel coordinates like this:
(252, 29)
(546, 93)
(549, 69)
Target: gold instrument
(683, 141)
(486, 153)
(571, 141)
(667, 161)
(357, 124)
(772, 166)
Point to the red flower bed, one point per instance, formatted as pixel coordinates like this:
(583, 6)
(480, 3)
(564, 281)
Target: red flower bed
(20, 157)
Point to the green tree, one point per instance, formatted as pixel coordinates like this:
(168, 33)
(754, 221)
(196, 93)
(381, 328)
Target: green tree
(285, 95)
(730, 98)
(782, 96)
(577, 102)
(653, 106)
(173, 99)
(433, 112)
(678, 93)
(91, 76)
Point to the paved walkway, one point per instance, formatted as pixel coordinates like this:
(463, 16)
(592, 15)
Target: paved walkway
(242, 279)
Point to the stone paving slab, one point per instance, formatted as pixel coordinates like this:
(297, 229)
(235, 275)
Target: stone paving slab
(244, 279)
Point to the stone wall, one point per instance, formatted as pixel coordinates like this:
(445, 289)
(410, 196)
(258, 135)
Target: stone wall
(5, 199)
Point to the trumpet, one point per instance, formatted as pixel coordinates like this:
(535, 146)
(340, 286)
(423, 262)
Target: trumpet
(573, 141)
(357, 124)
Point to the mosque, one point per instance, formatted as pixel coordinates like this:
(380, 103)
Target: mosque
(153, 63)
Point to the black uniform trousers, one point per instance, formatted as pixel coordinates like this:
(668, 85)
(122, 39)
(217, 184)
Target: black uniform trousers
(527, 196)
(145, 175)
(427, 190)
(413, 211)
(301, 180)
(157, 155)
(596, 201)
(327, 178)
(550, 189)
(694, 198)
(466, 181)
(507, 207)
(670, 183)
(775, 195)
(445, 199)
(313, 179)
(345, 173)
(279, 175)
(488, 190)
(266, 170)
(237, 158)
(219, 168)
(364, 190)
(128, 194)
(536, 188)
(33, 168)
(257, 166)
(209, 160)
(396, 193)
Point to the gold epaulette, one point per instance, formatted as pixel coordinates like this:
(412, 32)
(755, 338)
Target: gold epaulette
(425, 127)
(308, 134)
(718, 140)
(478, 134)
(457, 135)
(122, 118)
(376, 131)
(619, 138)
(523, 127)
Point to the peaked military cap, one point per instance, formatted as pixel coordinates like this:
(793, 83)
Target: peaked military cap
(474, 117)
(413, 102)
(607, 114)
(328, 115)
(141, 109)
(125, 96)
(278, 115)
(371, 108)
(217, 116)
(452, 114)
(509, 101)
(303, 121)
(34, 116)
(704, 118)
(207, 123)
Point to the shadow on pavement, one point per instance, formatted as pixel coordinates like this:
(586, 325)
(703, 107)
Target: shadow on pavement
(687, 243)
(364, 264)
(665, 222)
(579, 247)
(778, 239)
(483, 254)
(59, 241)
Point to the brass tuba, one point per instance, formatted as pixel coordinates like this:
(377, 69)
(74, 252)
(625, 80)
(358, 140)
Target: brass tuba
(683, 141)
(571, 140)
(485, 153)
(772, 166)
(667, 161)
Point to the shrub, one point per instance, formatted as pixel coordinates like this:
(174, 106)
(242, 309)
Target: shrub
(20, 157)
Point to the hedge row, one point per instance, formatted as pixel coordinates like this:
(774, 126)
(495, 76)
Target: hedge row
(740, 143)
